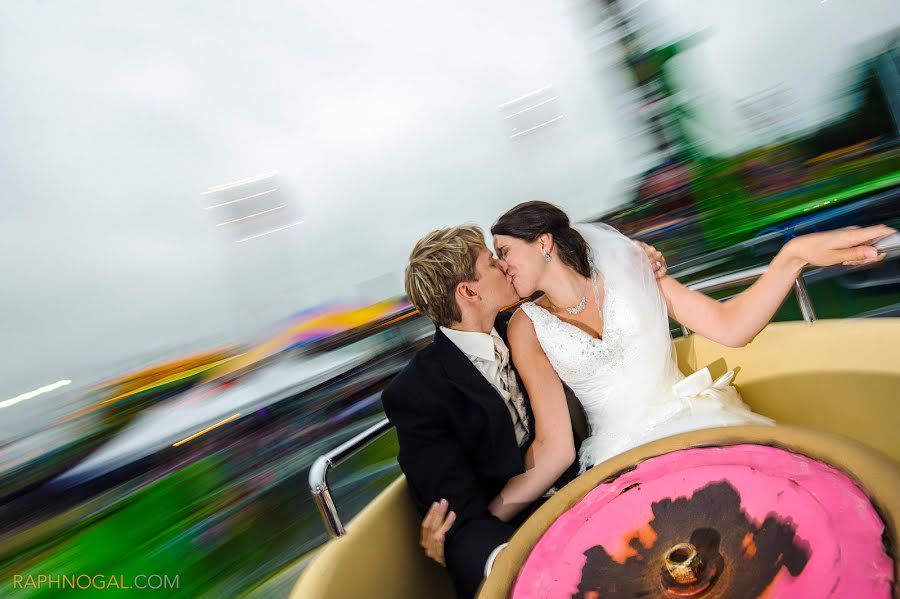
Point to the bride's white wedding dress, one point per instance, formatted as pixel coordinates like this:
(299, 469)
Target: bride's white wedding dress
(628, 380)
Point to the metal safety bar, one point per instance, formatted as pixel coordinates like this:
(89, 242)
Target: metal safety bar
(801, 293)
(318, 474)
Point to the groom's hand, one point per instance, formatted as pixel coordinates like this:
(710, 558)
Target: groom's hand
(434, 528)
(657, 260)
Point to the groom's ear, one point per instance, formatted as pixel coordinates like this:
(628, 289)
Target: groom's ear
(465, 292)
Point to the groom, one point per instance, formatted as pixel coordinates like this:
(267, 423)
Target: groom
(463, 419)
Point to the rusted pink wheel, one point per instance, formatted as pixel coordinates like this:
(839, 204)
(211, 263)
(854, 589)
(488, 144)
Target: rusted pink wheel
(739, 519)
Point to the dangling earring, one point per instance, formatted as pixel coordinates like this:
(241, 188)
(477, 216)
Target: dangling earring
(547, 257)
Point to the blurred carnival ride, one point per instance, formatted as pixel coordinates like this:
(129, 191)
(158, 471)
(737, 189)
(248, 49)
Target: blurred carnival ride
(196, 467)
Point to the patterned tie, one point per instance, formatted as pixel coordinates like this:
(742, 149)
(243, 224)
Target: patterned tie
(511, 393)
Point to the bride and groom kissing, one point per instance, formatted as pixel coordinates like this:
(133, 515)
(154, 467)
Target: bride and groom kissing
(481, 414)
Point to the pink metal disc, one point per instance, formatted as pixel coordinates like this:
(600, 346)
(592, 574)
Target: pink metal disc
(765, 521)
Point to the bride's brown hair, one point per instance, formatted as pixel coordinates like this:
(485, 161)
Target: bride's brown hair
(530, 220)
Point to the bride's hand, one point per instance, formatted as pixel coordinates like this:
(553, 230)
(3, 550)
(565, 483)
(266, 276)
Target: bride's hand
(852, 246)
(657, 260)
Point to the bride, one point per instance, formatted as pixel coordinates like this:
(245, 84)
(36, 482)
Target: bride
(602, 328)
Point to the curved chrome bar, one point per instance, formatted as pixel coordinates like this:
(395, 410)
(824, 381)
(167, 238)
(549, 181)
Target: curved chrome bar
(804, 301)
(730, 280)
(748, 276)
(800, 291)
(318, 474)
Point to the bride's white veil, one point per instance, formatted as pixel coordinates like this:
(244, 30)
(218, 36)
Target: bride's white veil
(649, 363)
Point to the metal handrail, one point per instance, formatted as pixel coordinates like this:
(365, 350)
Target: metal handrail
(801, 293)
(318, 474)
(726, 281)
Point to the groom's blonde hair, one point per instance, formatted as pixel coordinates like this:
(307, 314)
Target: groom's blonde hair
(437, 264)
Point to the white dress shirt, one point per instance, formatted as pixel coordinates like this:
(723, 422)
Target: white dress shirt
(490, 356)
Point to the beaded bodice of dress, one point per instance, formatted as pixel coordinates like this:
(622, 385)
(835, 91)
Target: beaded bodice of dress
(581, 360)
(588, 365)
(576, 355)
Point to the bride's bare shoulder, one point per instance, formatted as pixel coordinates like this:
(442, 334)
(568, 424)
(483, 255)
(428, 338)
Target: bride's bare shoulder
(521, 329)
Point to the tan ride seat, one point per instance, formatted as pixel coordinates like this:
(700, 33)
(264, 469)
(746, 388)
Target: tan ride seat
(840, 376)
(379, 556)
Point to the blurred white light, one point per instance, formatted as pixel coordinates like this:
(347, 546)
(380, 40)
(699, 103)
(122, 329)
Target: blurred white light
(255, 195)
(538, 126)
(238, 183)
(531, 107)
(237, 220)
(299, 222)
(525, 96)
(35, 393)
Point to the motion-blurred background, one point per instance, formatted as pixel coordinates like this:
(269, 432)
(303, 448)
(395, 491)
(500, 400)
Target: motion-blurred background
(207, 209)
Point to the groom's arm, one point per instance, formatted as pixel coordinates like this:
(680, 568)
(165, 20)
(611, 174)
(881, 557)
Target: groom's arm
(436, 468)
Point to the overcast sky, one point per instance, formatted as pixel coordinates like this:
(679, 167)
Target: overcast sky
(381, 119)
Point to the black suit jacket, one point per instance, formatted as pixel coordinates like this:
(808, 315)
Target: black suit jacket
(457, 442)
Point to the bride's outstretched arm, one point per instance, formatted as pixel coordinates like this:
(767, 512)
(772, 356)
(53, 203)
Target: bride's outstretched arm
(553, 449)
(736, 322)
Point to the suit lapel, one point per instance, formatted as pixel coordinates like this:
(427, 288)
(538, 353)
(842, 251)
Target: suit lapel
(461, 371)
(472, 384)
